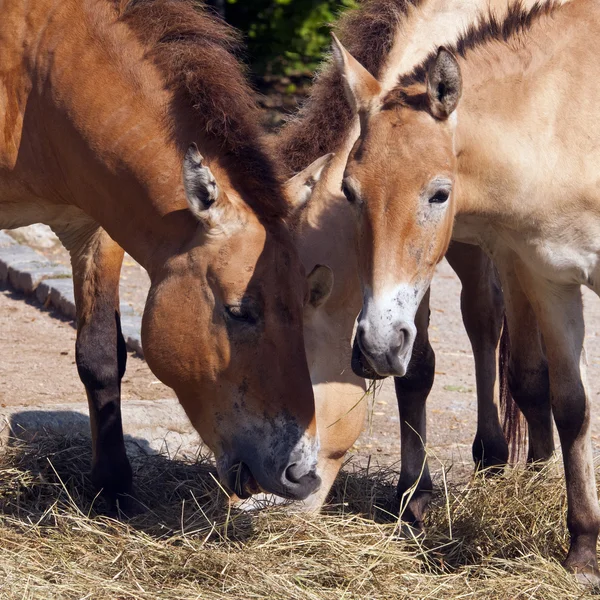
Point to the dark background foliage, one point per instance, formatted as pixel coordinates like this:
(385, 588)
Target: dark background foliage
(284, 37)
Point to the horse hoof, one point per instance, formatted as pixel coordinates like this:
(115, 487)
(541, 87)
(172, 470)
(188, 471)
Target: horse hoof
(124, 506)
(413, 505)
(489, 468)
(590, 579)
(490, 458)
(410, 531)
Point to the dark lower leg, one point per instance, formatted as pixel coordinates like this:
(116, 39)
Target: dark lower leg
(583, 515)
(528, 368)
(101, 357)
(559, 310)
(483, 312)
(530, 387)
(415, 487)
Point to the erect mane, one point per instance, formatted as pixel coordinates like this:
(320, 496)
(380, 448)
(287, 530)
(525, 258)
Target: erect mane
(488, 29)
(325, 119)
(196, 53)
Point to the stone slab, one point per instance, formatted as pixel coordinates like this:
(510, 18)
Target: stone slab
(153, 425)
(6, 241)
(28, 271)
(20, 258)
(62, 296)
(27, 277)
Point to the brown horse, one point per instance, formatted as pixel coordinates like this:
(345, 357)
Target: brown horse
(503, 140)
(391, 36)
(99, 101)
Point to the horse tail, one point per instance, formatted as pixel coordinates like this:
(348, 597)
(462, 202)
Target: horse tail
(513, 423)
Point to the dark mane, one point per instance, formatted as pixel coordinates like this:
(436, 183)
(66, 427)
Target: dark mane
(488, 29)
(324, 120)
(196, 53)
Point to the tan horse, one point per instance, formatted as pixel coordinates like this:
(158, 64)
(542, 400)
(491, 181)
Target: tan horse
(391, 36)
(99, 101)
(504, 140)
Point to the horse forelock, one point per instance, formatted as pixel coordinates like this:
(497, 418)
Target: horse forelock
(321, 125)
(197, 55)
(489, 28)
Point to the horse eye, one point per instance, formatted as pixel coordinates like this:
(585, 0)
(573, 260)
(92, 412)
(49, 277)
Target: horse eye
(241, 314)
(440, 197)
(348, 192)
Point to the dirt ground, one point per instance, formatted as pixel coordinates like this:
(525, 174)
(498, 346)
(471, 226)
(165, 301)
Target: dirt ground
(37, 367)
(37, 359)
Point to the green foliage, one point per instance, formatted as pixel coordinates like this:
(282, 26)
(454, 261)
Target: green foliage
(285, 36)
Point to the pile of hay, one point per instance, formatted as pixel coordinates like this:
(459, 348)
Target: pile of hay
(498, 538)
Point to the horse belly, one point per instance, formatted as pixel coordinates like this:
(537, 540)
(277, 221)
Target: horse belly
(22, 212)
(566, 260)
(567, 254)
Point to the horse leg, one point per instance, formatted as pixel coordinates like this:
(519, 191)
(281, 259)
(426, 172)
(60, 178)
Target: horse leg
(100, 352)
(483, 313)
(559, 310)
(412, 391)
(528, 368)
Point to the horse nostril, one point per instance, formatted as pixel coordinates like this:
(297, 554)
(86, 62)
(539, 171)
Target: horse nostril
(404, 337)
(301, 482)
(294, 473)
(404, 340)
(360, 337)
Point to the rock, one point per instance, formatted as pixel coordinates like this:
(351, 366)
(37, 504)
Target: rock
(37, 236)
(61, 295)
(19, 258)
(160, 425)
(6, 241)
(28, 277)
(131, 323)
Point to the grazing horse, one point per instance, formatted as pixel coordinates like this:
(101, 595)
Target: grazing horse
(497, 139)
(99, 101)
(391, 36)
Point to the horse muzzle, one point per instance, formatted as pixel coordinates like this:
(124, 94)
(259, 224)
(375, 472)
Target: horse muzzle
(384, 356)
(291, 475)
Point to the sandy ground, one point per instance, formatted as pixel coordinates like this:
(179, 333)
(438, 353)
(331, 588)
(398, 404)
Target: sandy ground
(37, 359)
(37, 368)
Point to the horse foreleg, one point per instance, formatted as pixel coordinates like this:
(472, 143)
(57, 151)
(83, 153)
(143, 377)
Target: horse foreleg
(483, 313)
(101, 353)
(559, 310)
(528, 367)
(412, 390)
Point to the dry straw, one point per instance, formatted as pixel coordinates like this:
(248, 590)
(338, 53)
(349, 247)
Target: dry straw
(495, 538)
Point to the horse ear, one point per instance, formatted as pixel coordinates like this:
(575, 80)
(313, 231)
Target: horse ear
(444, 84)
(360, 86)
(199, 183)
(299, 188)
(320, 284)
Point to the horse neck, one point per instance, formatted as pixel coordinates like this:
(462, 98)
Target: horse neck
(442, 21)
(327, 232)
(506, 138)
(106, 148)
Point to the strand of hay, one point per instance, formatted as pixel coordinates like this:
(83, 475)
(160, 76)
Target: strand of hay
(497, 538)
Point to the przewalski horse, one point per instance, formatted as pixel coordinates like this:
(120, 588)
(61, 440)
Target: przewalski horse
(390, 36)
(496, 137)
(99, 102)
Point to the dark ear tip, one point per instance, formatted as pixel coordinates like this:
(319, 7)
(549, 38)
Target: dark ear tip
(194, 154)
